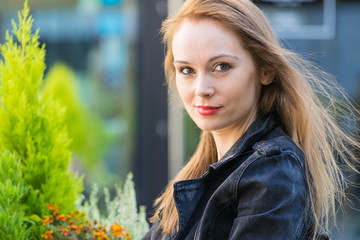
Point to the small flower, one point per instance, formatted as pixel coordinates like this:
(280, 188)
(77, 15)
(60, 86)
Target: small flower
(73, 226)
(99, 228)
(79, 228)
(100, 236)
(127, 236)
(48, 235)
(61, 217)
(53, 208)
(117, 230)
(46, 220)
(64, 231)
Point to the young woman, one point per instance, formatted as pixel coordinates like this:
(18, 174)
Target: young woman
(266, 166)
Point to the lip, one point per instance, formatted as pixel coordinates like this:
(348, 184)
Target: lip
(207, 110)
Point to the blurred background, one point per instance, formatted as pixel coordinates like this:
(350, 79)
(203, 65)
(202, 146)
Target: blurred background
(104, 63)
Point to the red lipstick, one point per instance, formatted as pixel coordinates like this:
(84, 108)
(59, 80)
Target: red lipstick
(207, 110)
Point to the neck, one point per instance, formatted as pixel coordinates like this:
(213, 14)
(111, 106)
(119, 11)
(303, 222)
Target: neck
(225, 138)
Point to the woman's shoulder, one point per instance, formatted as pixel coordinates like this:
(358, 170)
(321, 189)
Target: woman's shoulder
(277, 163)
(272, 157)
(277, 144)
(269, 187)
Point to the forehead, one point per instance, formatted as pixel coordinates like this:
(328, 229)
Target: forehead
(200, 40)
(197, 32)
(203, 24)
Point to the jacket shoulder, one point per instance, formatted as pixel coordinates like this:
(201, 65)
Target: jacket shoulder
(278, 142)
(271, 189)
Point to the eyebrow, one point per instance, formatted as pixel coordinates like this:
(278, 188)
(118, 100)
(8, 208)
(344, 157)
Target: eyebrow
(222, 56)
(211, 59)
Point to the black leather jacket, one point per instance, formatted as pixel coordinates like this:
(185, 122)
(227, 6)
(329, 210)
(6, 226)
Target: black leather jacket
(258, 190)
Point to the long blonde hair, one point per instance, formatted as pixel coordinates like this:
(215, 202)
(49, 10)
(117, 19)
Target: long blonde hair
(304, 97)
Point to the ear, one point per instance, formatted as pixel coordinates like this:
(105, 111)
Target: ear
(267, 77)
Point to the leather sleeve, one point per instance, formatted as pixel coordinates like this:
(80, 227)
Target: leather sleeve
(272, 196)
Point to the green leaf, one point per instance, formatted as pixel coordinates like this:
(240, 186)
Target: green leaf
(34, 218)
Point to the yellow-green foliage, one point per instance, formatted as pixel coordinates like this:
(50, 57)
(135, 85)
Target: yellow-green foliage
(32, 124)
(87, 132)
(60, 82)
(13, 190)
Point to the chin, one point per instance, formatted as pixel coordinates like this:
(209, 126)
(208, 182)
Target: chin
(207, 127)
(208, 124)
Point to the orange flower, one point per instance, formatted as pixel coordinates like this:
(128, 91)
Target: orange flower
(53, 208)
(76, 216)
(117, 230)
(48, 235)
(127, 236)
(61, 217)
(76, 227)
(64, 231)
(100, 236)
(46, 220)
(73, 226)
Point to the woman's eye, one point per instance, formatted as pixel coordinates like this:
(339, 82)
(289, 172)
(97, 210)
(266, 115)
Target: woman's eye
(186, 70)
(222, 67)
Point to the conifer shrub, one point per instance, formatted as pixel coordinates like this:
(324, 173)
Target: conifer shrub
(13, 190)
(32, 130)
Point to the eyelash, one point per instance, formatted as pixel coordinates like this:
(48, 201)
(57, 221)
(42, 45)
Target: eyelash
(224, 65)
(181, 70)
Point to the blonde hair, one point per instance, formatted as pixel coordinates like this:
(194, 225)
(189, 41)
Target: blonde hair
(303, 96)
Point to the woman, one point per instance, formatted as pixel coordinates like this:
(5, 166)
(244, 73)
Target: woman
(266, 165)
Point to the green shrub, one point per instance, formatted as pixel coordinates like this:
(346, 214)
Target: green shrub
(32, 127)
(12, 193)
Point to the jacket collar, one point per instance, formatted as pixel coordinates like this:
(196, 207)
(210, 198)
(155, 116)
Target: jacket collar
(258, 130)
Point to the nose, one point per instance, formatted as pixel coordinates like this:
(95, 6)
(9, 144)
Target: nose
(204, 86)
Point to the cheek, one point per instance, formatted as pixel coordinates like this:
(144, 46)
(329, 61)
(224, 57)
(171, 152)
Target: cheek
(245, 93)
(183, 91)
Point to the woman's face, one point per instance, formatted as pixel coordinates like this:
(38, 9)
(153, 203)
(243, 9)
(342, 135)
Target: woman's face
(215, 76)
